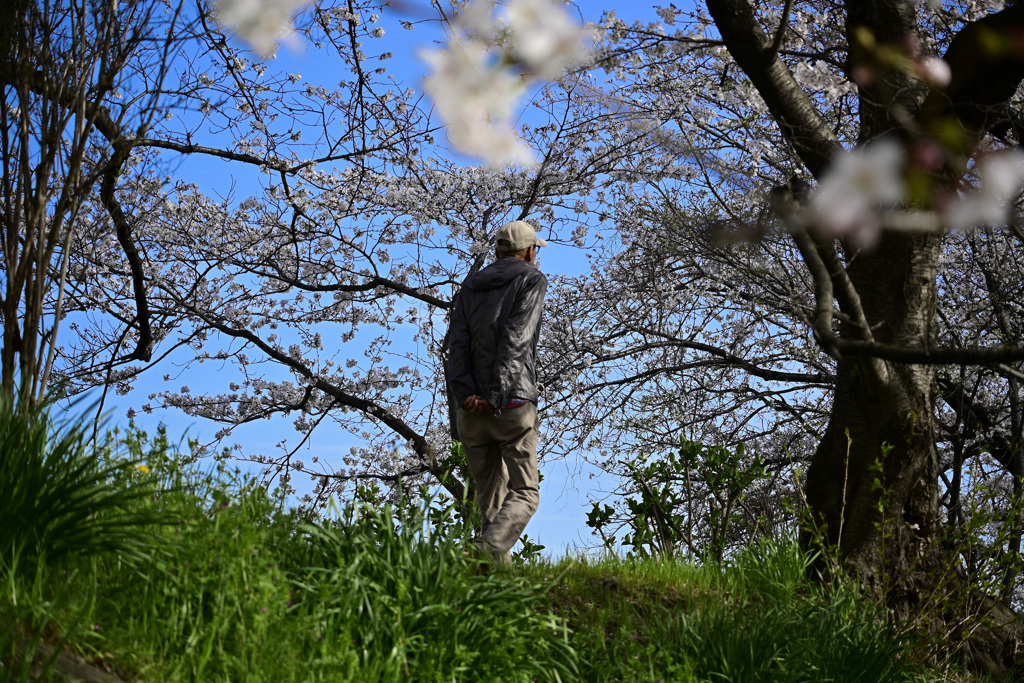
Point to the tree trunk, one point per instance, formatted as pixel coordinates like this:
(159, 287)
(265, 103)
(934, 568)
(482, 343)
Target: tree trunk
(873, 482)
(872, 486)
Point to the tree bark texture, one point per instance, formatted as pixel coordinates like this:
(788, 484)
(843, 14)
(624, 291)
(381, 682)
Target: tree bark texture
(873, 483)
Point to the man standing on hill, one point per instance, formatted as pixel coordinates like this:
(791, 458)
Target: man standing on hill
(492, 369)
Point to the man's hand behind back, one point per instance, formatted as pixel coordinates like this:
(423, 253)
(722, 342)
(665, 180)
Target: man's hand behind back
(477, 405)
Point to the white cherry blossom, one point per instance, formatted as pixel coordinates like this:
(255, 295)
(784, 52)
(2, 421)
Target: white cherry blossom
(543, 37)
(856, 188)
(477, 82)
(477, 102)
(935, 70)
(1001, 175)
(261, 23)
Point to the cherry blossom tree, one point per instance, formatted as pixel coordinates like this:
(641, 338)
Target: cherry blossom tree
(63, 137)
(325, 290)
(680, 333)
(371, 261)
(217, 270)
(767, 97)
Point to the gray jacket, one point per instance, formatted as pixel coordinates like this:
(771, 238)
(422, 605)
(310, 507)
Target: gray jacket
(492, 345)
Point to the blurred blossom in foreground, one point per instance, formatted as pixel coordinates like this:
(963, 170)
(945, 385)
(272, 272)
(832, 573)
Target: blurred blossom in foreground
(477, 102)
(545, 39)
(261, 23)
(935, 70)
(856, 188)
(1000, 175)
(489, 64)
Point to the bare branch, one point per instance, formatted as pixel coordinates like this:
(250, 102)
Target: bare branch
(939, 356)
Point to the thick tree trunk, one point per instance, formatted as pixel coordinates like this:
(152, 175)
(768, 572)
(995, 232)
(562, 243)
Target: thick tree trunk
(873, 483)
(872, 486)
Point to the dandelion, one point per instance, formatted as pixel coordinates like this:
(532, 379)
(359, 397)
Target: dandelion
(142, 469)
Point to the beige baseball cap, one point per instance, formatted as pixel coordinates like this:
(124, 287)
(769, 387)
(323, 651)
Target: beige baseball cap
(518, 235)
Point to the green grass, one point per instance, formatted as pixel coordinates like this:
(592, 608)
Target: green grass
(232, 588)
(757, 619)
(60, 497)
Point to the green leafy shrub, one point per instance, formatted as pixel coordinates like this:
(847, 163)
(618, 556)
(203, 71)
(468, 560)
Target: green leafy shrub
(687, 499)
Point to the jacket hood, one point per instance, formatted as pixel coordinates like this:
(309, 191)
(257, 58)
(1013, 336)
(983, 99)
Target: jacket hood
(498, 274)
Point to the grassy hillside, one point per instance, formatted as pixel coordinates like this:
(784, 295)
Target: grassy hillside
(157, 572)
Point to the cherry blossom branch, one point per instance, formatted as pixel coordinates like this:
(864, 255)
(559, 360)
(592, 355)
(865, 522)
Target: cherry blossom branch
(828, 55)
(341, 397)
(672, 369)
(726, 357)
(780, 32)
(112, 170)
(405, 474)
(1007, 371)
(144, 346)
(846, 294)
(789, 104)
(279, 165)
(970, 412)
(369, 284)
(830, 277)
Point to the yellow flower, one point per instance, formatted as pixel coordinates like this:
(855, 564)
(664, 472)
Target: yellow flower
(142, 468)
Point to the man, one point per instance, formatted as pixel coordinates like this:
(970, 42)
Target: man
(492, 370)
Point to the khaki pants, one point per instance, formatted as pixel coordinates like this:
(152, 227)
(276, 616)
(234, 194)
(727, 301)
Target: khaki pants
(502, 455)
